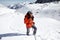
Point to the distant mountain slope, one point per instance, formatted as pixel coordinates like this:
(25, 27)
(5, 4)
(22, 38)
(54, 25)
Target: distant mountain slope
(45, 1)
(15, 6)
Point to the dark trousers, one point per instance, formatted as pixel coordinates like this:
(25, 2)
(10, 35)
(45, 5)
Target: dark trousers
(34, 32)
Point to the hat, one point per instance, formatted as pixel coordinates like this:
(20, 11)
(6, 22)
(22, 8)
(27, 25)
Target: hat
(29, 12)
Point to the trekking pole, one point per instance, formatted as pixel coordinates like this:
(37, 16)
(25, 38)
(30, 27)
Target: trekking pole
(35, 37)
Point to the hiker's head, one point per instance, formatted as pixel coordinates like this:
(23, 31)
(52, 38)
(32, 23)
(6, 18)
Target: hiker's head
(29, 13)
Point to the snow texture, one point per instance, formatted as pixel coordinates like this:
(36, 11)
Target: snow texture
(46, 21)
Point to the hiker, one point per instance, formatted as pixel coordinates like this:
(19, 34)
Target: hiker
(29, 21)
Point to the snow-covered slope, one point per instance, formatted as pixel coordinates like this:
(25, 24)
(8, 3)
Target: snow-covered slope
(5, 10)
(43, 10)
(13, 22)
(47, 28)
(46, 10)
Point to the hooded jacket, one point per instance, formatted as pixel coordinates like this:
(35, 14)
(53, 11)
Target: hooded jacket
(29, 21)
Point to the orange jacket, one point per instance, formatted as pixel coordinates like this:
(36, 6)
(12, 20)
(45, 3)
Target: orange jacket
(29, 22)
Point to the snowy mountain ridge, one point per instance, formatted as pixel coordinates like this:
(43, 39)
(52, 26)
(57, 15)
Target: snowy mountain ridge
(16, 6)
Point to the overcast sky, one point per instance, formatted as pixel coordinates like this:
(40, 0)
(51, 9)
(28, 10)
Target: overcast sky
(6, 2)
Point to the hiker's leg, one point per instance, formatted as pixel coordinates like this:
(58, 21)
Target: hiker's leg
(35, 29)
(28, 31)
